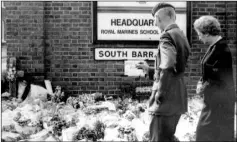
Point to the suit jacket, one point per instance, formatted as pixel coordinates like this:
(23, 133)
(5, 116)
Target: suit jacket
(217, 64)
(172, 91)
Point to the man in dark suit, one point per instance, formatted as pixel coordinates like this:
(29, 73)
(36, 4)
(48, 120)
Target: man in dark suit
(169, 95)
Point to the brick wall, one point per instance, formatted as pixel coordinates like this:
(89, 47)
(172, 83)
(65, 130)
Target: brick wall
(232, 33)
(24, 34)
(56, 38)
(69, 54)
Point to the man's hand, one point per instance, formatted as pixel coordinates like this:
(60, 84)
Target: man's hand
(144, 66)
(153, 102)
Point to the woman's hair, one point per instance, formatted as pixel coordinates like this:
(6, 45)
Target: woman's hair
(207, 25)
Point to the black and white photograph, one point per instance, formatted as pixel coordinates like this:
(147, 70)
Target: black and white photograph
(149, 71)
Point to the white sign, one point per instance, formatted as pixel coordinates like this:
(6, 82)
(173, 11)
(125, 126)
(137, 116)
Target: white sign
(126, 26)
(177, 4)
(131, 70)
(114, 23)
(124, 54)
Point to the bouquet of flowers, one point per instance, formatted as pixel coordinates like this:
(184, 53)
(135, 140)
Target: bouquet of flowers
(11, 74)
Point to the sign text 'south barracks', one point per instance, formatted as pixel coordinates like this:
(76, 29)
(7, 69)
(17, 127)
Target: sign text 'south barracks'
(124, 54)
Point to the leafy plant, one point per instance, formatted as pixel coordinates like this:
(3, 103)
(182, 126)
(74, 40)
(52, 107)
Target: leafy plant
(99, 128)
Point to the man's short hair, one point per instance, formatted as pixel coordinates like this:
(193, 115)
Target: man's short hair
(160, 6)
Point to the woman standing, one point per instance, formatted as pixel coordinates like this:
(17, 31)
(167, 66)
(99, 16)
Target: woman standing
(216, 122)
